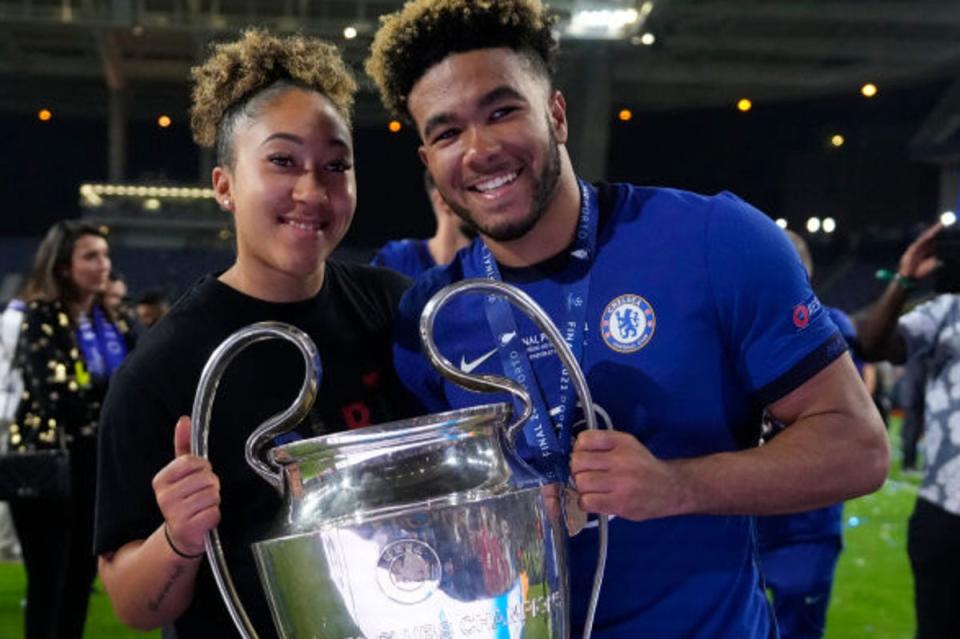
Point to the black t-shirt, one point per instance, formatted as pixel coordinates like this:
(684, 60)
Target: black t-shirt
(350, 320)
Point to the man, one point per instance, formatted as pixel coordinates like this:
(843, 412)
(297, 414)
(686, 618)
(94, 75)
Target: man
(928, 338)
(799, 551)
(689, 314)
(151, 306)
(909, 392)
(412, 257)
(115, 297)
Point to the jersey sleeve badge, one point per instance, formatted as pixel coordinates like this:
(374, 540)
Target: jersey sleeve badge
(804, 312)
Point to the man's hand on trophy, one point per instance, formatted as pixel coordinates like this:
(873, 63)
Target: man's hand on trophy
(188, 494)
(617, 475)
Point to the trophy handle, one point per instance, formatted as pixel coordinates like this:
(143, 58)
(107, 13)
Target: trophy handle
(479, 383)
(493, 383)
(276, 425)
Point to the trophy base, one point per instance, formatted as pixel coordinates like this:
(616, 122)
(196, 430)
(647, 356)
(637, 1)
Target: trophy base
(488, 569)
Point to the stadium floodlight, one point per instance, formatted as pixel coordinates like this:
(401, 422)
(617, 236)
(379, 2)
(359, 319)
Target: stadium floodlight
(91, 193)
(606, 20)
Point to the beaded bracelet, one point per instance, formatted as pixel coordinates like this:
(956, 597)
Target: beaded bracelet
(904, 282)
(166, 533)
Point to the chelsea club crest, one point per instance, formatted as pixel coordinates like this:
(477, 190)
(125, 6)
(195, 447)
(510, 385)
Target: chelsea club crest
(627, 323)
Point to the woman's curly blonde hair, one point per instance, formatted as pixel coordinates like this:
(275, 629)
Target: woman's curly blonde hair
(238, 71)
(425, 32)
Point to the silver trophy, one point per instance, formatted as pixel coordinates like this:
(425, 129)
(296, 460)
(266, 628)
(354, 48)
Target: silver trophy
(426, 528)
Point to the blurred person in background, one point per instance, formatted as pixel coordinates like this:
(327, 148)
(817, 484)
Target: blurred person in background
(799, 551)
(277, 110)
(11, 388)
(70, 345)
(115, 297)
(928, 337)
(877, 379)
(116, 300)
(151, 305)
(909, 391)
(411, 256)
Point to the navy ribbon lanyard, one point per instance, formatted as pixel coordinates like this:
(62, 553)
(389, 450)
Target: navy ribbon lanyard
(546, 432)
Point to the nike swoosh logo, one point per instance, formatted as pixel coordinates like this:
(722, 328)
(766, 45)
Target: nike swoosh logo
(469, 367)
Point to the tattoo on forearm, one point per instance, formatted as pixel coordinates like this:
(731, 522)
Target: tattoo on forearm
(154, 604)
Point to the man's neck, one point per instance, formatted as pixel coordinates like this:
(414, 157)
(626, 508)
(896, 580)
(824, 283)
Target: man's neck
(552, 233)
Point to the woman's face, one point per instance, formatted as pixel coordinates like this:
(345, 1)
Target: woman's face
(89, 270)
(291, 189)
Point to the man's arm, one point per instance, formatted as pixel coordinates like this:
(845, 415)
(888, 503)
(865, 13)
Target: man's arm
(835, 448)
(877, 336)
(150, 581)
(877, 333)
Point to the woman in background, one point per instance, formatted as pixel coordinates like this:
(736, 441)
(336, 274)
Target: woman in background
(69, 346)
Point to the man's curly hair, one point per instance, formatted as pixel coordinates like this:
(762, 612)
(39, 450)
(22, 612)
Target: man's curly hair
(257, 65)
(425, 32)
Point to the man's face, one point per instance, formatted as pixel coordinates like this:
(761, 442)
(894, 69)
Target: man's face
(150, 314)
(490, 128)
(114, 295)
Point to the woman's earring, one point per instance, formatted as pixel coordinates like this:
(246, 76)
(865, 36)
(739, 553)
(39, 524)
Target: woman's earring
(226, 203)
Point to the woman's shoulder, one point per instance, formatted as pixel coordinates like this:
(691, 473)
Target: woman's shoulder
(367, 284)
(187, 329)
(366, 274)
(44, 308)
(45, 318)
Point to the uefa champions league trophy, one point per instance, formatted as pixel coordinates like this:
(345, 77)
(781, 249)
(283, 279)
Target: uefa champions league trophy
(426, 528)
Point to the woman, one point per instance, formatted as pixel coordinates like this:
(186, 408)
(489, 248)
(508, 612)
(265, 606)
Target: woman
(68, 348)
(277, 112)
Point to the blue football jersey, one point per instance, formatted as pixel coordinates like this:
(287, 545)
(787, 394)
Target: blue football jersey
(410, 257)
(698, 314)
